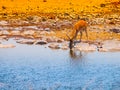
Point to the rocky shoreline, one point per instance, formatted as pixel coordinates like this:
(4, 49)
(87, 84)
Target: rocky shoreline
(87, 46)
(104, 34)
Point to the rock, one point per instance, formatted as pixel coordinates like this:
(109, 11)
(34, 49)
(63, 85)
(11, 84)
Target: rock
(5, 32)
(54, 46)
(3, 23)
(4, 38)
(47, 29)
(28, 32)
(85, 47)
(34, 19)
(110, 45)
(17, 38)
(1, 32)
(7, 46)
(16, 22)
(112, 22)
(54, 39)
(103, 50)
(60, 40)
(41, 42)
(51, 39)
(46, 24)
(115, 30)
(63, 24)
(24, 22)
(43, 32)
(17, 28)
(30, 27)
(15, 32)
(5, 28)
(30, 42)
(41, 29)
(52, 32)
(64, 47)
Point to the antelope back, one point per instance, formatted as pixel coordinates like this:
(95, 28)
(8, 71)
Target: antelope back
(80, 25)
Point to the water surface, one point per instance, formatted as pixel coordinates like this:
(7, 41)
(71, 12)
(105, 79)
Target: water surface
(32, 67)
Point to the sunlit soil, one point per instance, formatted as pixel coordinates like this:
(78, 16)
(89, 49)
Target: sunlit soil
(62, 9)
(52, 8)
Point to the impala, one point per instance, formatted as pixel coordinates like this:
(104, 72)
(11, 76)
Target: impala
(79, 26)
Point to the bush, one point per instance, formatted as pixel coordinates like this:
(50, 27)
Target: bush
(44, 0)
(3, 7)
(102, 5)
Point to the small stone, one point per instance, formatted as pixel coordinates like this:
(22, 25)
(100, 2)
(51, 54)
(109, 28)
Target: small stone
(54, 46)
(5, 32)
(0, 32)
(42, 42)
(17, 38)
(41, 29)
(3, 23)
(7, 46)
(50, 39)
(4, 38)
(29, 32)
(115, 30)
(15, 32)
(64, 47)
(110, 45)
(30, 42)
(85, 47)
(102, 50)
(47, 29)
(60, 40)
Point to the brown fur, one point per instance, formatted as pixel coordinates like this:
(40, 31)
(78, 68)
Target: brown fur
(79, 26)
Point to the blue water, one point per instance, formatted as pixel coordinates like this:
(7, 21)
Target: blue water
(32, 67)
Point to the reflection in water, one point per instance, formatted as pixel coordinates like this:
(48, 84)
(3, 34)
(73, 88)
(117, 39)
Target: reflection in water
(77, 57)
(76, 54)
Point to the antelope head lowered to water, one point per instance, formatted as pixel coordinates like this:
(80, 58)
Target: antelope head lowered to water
(79, 26)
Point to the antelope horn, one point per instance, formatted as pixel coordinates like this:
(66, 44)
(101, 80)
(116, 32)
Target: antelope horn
(68, 36)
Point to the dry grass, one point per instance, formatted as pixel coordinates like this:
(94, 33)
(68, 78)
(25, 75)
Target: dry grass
(24, 8)
(36, 7)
